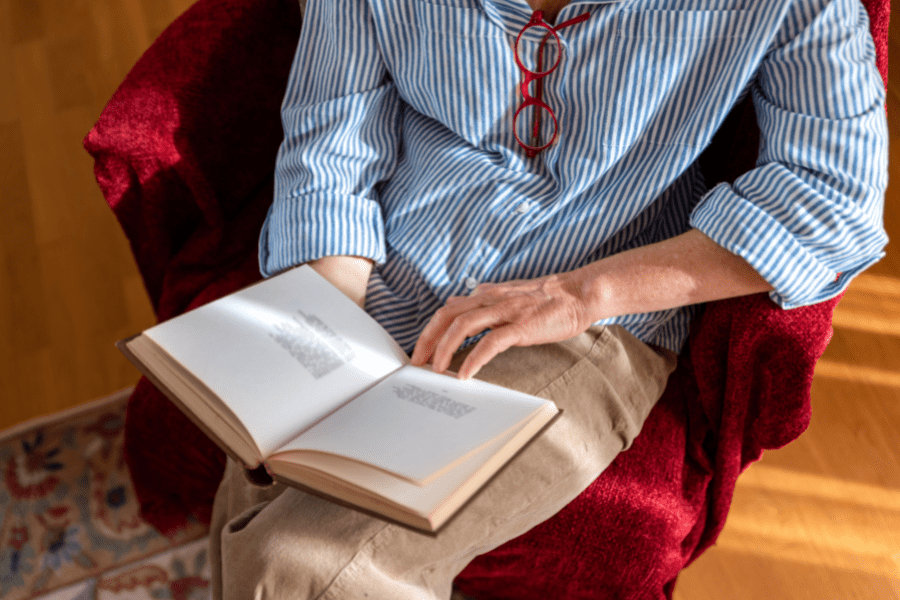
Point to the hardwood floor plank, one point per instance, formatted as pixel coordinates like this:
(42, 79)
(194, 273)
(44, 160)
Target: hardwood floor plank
(52, 213)
(806, 528)
(857, 374)
(9, 108)
(159, 13)
(26, 21)
(137, 304)
(137, 23)
(8, 318)
(114, 32)
(15, 211)
(853, 434)
(871, 304)
(67, 69)
(727, 574)
(23, 324)
(26, 325)
(26, 389)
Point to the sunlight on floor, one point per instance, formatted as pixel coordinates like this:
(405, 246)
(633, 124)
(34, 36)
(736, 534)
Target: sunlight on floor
(811, 519)
(871, 304)
(857, 373)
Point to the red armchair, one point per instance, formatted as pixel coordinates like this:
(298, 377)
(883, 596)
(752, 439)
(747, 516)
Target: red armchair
(185, 152)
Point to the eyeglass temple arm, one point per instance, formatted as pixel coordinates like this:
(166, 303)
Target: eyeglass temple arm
(537, 17)
(573, 21)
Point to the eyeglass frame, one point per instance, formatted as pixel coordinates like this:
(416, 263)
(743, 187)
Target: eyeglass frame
(537, 20)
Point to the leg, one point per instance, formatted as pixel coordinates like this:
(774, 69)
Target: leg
(282, 543)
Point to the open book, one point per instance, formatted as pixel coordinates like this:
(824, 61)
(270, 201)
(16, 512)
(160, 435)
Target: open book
(291, 374)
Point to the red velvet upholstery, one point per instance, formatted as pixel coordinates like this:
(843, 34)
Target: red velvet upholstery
(184, 155)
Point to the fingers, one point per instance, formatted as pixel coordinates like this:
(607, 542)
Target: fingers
(463, 326)
(427, 342)
(488, 347)
(489, 307)
(449, 327)
(518, 314)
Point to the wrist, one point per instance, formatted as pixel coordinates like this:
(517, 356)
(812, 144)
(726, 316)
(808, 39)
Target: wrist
(589, 286)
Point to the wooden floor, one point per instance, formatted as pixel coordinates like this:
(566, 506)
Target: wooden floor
(818, 520)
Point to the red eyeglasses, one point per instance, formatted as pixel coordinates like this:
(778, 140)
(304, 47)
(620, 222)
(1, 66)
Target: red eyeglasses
(534, 106)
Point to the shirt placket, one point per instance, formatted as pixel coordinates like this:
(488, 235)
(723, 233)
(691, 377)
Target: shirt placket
(514, 212)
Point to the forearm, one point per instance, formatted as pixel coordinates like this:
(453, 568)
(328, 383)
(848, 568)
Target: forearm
(350, 274)
(687, 269)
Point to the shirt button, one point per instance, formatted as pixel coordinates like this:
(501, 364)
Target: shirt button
(471, 283)
(523, 207)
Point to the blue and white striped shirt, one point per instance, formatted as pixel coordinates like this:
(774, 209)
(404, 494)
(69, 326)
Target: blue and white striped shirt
(399, 146)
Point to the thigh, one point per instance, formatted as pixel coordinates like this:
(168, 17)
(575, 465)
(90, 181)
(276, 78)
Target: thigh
(295, 545)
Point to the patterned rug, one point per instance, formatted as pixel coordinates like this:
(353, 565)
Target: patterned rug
(69, 522)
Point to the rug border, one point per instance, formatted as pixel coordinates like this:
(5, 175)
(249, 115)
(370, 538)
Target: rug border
(69, 413)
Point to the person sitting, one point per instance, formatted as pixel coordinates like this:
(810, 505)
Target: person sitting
(513, 191)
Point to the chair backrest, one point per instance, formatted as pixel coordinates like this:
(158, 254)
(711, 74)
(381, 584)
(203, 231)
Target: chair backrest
(185, 149)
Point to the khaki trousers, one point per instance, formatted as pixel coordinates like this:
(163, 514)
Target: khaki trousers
(278, 542)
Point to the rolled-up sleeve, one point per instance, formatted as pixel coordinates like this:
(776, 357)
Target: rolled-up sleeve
(809, 217)
(340, 117)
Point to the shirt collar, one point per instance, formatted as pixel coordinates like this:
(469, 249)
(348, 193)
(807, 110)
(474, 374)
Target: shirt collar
(512, 15)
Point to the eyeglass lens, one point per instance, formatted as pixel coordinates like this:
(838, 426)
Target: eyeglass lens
(538, 52)
(538, 49)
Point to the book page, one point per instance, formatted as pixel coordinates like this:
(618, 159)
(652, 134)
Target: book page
(418, 424)
(359, 481)
(281, 354)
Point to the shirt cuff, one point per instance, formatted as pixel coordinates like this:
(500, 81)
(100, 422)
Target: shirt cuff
(798, 276)
(301, 229)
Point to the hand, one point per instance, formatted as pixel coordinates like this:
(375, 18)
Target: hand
(519, 313)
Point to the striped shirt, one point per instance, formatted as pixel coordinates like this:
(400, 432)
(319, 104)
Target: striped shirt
(399, 146)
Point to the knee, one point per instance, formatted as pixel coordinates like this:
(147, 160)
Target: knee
(292, 547)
